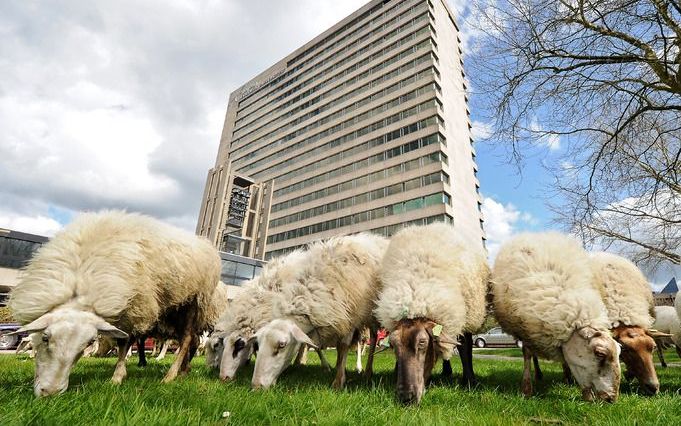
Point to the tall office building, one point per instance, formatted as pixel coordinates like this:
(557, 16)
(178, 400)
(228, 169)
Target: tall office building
(366, 127)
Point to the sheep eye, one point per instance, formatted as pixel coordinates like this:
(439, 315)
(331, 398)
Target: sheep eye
(422, 343)
(282, 345)
(46, 338)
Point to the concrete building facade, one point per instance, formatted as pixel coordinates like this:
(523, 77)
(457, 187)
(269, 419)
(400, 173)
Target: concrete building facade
(366, 127)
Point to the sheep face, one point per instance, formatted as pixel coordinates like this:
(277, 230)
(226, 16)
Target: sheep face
(416, 351)
(278, 343)
(593, 358)
(59, 339)
(637, 354)
(236, 353)
(214, 349)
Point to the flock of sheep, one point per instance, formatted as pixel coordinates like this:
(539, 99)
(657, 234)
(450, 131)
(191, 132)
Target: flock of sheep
(128, 276)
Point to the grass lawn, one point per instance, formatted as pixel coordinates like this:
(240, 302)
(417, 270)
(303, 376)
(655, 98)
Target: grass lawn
(303, 396)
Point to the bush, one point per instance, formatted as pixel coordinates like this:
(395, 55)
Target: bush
(5, 314)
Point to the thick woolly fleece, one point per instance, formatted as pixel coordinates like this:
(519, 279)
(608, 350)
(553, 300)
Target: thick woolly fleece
(331, 287)
(249, 310)
(127, 268)
(625, 291)
(543, 291)
(428, 273)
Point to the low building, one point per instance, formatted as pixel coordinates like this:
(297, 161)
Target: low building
(16, 249)
(667, 295)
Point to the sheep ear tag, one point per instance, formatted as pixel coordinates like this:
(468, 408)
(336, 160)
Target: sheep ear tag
(437, 330)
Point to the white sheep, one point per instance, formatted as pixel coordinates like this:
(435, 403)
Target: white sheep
(434, 289)
(322, 296)
(543, 293)
(667, 321)
(119, 275)
(628, 298)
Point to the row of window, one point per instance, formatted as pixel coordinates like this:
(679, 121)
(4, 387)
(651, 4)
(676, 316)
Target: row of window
(386, 231)
(366, 115)
(289, 65)
(360, 199)
(390, 230)
(264, 110)
(397, 133)
(364, 179)
(349, 108)
(390, 210)
(316, 48)
(259, 103)
(257, 145)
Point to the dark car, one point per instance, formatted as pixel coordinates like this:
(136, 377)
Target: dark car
(8, 341)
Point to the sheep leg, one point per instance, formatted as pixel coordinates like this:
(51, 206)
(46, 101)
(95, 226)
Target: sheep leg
(526, 386)
(358, 365)
(185, 344)
(164, 349)
(186, 362)
(466, 355)
(322, 359)
(301, 358)
(343, 347)
(567, 374)
(140, 352)
(155, 349)
(447, 372)
(538, 375)
(120, 371)
(372, 351)
(661, 356)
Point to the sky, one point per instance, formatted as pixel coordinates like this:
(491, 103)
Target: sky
(121, 105)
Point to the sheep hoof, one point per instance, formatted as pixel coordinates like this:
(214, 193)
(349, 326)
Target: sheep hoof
(337, 384)
(169, 378)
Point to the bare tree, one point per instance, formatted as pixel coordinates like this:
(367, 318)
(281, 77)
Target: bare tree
(603, 78)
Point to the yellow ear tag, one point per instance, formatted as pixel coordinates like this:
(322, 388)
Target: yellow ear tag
(437, 330)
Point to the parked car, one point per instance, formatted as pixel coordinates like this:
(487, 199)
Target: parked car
(495, 337)
(8, 341)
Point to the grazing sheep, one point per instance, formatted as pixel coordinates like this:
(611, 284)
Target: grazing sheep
(629, 301)
(543, 293)
(250, 310)
(323, 295)
(667, 322)
(118, 275)
(434, 289)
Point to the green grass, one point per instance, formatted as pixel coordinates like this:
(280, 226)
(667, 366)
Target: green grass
(303, 396)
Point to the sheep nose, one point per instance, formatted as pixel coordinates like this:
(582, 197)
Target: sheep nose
(651, 388)
(607, 397)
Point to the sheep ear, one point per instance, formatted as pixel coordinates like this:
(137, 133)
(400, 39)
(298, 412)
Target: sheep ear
(301, 337)
(106, 329)
(33, 327)
(657, 334)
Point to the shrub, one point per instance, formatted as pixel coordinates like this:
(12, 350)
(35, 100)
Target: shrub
(5, 314)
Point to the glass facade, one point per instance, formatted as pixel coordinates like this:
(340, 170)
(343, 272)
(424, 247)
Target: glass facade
(17, 249)
(237, 270)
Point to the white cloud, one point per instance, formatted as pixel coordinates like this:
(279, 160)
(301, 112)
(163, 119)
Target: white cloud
(121, 104)
(545, 139)
(501, 223)
(481, 130)
(38, 224)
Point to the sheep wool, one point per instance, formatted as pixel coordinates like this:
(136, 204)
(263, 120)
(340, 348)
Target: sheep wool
(250, 310)
(543, 291)
(625, 291)
(127, 268)
(428, 273)
(331, 286)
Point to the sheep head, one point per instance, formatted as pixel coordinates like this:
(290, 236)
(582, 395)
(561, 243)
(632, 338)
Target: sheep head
(637, 353)
(59, 339)
(278, 343)
(236, 352)
(593, 358)
(417, 348)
